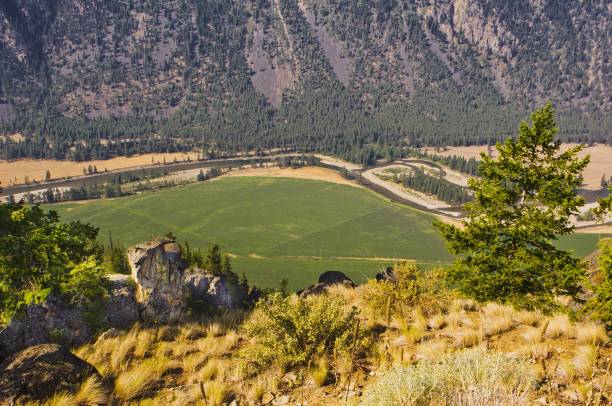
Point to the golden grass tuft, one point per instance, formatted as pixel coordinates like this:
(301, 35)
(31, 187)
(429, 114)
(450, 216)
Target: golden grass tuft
(496, 318)
(431, 349)
(90, 393)
(144, 342)
(134, 382)
(121, 355)
(584, 360)
(437, 322)
(212, 370)
(216, 392)
(466, 338)
(559, 325)
(592, 334)
(533, 335)
(528, 318)
(320, 372)
(464, 304)
(214, 330)
(193, 362)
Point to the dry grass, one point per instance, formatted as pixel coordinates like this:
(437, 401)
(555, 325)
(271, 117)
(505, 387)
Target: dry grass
(90, 393)
(431, 349)
(216, 392)
(466, 338)
(212, 370)
(134, 382)
(592, 334)
(533, 335)
(437, 322)
(559, 325)
(584, 360)
(496, 319)
(35, 169)
(528, 318)
(320, 373)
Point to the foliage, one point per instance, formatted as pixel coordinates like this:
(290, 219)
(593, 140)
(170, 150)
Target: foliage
(39, 255)
(600, 305)
(115, 259)
(293, 332)
(441, 188)
(388, 298)
(523, 201)
(468, 377)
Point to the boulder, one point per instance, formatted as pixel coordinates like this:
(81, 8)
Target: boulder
(216, 291)
(157, 269)
(51, 321)
(327, 279)
(121, 307)
(388, 275)
(38, 372)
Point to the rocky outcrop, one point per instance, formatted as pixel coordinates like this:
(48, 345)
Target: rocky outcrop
(216, 291)
(327, 279)
(388, 275)
(38, 372)
(121, 307)
(57, 322)
(50, 321)
(157, 269)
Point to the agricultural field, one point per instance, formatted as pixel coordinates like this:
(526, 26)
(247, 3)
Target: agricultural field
(275, 227)
(281, 228)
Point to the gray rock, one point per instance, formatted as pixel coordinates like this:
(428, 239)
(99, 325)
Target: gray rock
(158, 270)
(388, 275)
(326, 280)
(216, 291)
(38, 372)
(50, 321)
(121, 307)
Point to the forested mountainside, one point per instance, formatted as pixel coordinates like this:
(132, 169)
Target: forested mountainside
(97, 78)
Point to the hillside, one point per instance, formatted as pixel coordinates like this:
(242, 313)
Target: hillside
(85, 80)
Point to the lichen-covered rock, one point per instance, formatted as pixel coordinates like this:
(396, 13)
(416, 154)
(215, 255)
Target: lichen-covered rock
(327, 279)
(216, 291)
(38, 372)
(51, 321)
(157, 269)
(121, 307)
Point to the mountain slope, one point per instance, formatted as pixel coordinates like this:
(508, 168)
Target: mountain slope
(207, 72)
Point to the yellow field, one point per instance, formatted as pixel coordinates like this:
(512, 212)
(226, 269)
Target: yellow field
(601, 160)
(311, 172)
(15, 172)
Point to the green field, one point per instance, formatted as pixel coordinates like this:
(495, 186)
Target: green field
(278, 227)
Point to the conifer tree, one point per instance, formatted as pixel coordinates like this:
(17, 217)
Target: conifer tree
(522, 203)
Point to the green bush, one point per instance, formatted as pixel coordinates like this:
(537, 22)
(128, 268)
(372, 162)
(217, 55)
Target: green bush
(39, 255)
(293, 332)
(469, 377)
(384, 299)
(600, 305)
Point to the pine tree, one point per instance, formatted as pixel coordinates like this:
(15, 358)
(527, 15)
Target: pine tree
(213, 260)
(523, 201)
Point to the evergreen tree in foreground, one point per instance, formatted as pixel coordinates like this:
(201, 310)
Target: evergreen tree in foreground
(522, 203)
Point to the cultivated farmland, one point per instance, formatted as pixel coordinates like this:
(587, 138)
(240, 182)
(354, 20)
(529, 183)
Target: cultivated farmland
(281, 228)
(275, 227)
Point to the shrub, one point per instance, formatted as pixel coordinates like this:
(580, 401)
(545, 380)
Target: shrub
(600, 305)
(295, 331)
(465, 377)
(387, 298)
(37, 255)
